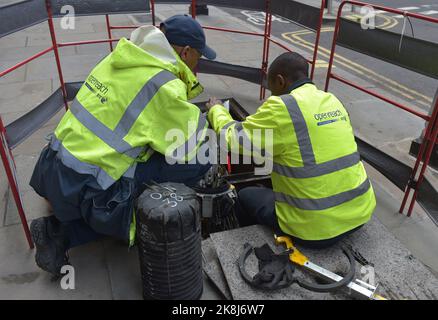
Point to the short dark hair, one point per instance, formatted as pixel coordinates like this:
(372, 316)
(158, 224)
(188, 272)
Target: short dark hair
(290, 65)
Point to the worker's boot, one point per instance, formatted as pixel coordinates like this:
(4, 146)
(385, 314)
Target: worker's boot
(51, 244)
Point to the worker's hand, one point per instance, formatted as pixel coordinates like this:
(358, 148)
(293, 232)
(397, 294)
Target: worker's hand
(212, 102)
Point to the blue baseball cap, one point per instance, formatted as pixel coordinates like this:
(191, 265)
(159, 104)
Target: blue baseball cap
(183, 30)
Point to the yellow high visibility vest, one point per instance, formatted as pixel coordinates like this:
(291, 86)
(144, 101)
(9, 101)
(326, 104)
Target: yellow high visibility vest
(320, 185)
(125, 108)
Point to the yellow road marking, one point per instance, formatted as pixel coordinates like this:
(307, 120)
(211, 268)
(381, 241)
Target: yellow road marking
(322, 64)
(391, 84)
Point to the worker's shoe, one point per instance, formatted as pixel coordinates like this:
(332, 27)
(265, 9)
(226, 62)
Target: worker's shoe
(51, 244)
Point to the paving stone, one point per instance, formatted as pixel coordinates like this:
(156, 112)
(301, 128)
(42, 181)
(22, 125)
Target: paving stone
(18, 75)
(71, 66)
(23, 96)
(44, 39)
(42, 27)
(229, 245)
(100, 49)
(416, 233)
(371, 117)
(27, 52)
(3, 193)
(80, 27)
(248, 50)
(13, 40)
(25, 164)
(400, 275)
(209, 290)
(239, 38)
(20, 278)
(213, 269)
(34, 207)
(124, 270)
(213, 85)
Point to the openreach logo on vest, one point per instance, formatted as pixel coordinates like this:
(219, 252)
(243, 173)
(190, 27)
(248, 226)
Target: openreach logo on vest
(206, 147)
(329, 117)
(97, 87)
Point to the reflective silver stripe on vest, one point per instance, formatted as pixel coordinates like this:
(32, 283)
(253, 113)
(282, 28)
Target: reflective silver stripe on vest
(323, 203)
(202, 124)
(69, 160)
(316, 170)
(102, 131)
(141, 100)
(240, 130)
(241, 133)
(130, 173)
(115, 138)
(192, 142)
(229, 124)
(301, 130)
(310, 168)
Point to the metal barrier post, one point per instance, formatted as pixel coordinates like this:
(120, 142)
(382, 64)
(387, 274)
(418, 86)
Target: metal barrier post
(152, 2)
(194, 9)
(56, 51)
(266, 45)
(330, 6)
(108, 29)
(424, 155)
(318, 37)
(9, 165)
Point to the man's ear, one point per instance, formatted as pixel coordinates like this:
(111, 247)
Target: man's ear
(185, 52)
(281, 81)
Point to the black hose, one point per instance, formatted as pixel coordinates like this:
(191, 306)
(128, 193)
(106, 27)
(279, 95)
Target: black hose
(336, 285)
(248, 249)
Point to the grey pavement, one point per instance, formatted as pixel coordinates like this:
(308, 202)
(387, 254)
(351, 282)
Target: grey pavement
(107, 269)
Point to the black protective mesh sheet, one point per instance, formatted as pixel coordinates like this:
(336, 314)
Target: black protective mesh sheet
(297, 12)
(20, 15)
(23, 127)
(398, 173)
(97, 7)
(72, 89)
(250, 74)
(428, 200)
(395, 171)
(413, 54)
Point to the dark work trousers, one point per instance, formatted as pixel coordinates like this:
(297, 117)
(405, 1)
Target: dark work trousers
(155, 169)
(256, 205)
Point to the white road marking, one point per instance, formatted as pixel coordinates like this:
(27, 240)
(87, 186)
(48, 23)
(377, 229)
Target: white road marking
(427, 13)
(431, 12)
(409, 8)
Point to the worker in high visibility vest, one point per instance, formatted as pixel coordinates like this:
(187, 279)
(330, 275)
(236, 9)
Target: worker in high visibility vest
(112, 141)
(321, 191)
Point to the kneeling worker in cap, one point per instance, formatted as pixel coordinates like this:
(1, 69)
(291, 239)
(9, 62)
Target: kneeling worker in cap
(321, 191)
(112, 141)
